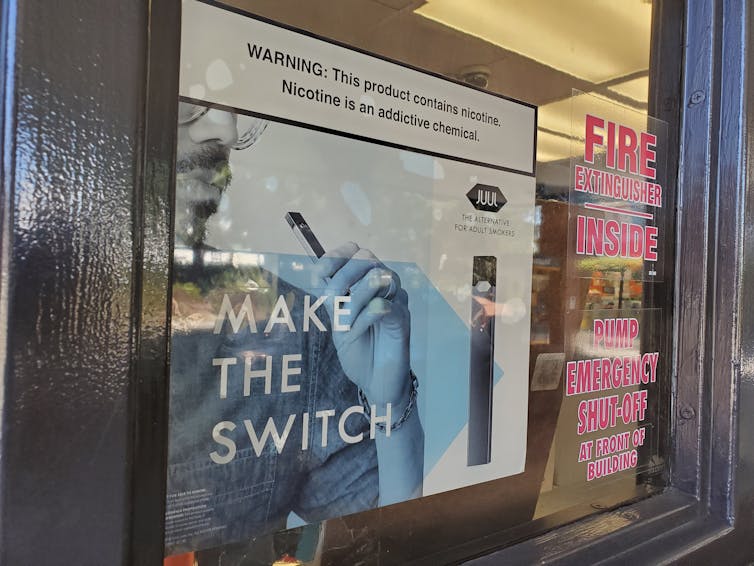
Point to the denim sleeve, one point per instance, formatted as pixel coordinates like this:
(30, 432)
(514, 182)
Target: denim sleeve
(345, 479)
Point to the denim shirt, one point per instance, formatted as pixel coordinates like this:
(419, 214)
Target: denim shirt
(210, 504)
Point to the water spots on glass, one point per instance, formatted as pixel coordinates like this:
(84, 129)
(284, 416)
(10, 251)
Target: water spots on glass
(357, 202)
(271, 184)
(218, 75)
(512, 310)
(197, 91)
(443, 259)
(224, 205)
(463, 292)
(422, 165)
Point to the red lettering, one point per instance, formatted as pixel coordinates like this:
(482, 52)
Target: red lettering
(636, 240)
(596, 236)
(612, 235)
(571, 378)
(580, 234)
(579, 178)
(650, 243)
(625, 150)
(647, 155)
(627, 146)
(592, 138)
(581, 427)
(610, 161)
(633, 330)
(599, 331)
(594, 229)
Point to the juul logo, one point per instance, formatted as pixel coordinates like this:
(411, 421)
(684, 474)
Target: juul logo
(486, 197)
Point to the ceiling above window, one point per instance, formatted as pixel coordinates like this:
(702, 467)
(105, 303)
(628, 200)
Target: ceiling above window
(595, 40)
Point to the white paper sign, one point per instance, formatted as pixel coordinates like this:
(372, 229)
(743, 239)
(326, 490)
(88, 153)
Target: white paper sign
(242, 62)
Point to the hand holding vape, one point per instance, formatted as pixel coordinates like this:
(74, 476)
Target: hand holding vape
(314, 249)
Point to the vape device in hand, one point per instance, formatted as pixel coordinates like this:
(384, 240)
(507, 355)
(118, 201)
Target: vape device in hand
(304, 235)
(481, 363)
(314, 249)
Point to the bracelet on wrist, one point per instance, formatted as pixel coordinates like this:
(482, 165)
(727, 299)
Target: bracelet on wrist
(406, 412)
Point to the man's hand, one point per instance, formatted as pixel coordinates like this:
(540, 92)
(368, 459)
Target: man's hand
(374, 353)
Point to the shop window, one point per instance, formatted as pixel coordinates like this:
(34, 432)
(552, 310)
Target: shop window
(502, 164)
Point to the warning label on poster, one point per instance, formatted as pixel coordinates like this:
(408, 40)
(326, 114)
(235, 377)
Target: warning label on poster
(277, 72)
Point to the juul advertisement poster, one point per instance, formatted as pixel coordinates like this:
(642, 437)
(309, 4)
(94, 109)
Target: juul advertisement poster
(352, 282)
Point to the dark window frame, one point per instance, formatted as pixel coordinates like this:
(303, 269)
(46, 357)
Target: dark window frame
(706, 513)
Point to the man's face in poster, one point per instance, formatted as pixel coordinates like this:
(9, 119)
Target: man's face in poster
(205, 139)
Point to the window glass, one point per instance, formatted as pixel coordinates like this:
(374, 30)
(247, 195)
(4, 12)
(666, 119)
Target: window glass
(418, 247)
